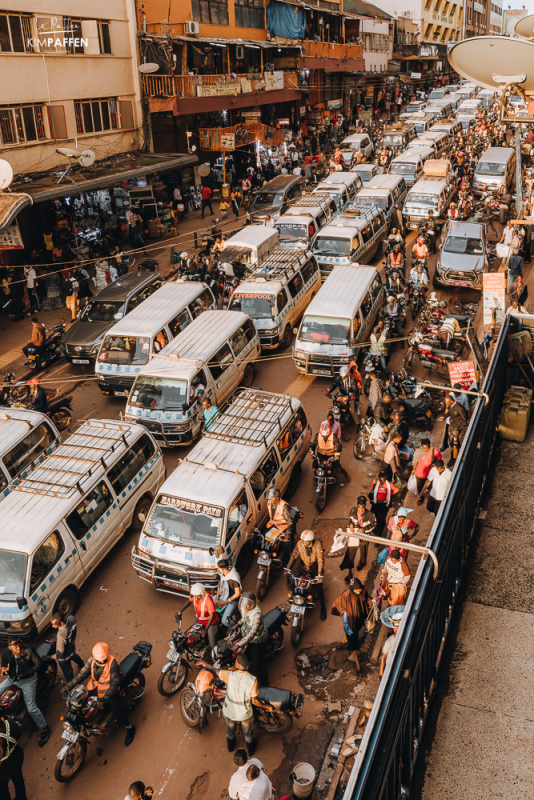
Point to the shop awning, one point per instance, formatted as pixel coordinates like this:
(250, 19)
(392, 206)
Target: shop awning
(10, 205)
(103, 174)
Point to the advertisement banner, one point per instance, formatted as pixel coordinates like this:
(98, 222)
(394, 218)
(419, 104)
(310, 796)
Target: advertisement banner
(227, 141)
(494, 294)
(462, 372)
(11, 239)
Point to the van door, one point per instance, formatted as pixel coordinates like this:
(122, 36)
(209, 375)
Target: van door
(263, 479)
(220, 364)
(54, 566)
(125, 477)
(296, 290)
(95, 524)
(241, 518)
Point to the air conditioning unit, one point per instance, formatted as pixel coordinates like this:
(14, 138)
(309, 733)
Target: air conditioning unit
(240, 52)
(191, 27)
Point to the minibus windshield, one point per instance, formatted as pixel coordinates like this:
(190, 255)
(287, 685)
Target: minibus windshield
(181, 525)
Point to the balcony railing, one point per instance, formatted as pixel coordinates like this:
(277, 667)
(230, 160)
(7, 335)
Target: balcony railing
(331, 50)
(215, 85)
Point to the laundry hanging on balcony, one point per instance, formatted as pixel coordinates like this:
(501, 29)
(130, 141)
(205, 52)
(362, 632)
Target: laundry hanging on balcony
(286, 20)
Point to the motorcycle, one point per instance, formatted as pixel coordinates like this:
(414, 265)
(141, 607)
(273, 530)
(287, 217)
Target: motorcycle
(324, 476)
(209, 238)
(84, 719)
(416, 295)
(340, 408)
(207, 695)
(269, 550)
(300, 600)
(430, 357)
(185, 649)
(403, 386)
(12, 705)
(41, 357)
(371, 363)
(275, 620)
(363, 437)
(12, 392)
(59, 410)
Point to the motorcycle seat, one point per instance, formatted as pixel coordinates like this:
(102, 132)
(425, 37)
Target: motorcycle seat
(129, 668)
(273, 620)
(448, 355)
(280, 699)
(413, 403)
(461, 318)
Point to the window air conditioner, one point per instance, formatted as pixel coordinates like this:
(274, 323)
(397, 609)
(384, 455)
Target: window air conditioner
(191, 27)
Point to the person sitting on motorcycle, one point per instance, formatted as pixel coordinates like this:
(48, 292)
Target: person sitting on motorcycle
(183, 263)
(432, 228)
(39, 399)
(379, 348)
(448, 328)
(395, 260)
(418, 275)
(280, 520)
(345, 385)
(104, 675)
(334, 424)
(395, 237)
(205, 611)
(395, 282)
(453, 212)
(218, 247)
(327, 444)
(393, 312)
(309, 557)
(19, 668)
(398, 426)
(382, 411)
(357, 381)
(252, 635)
(38, 338)
(420, 248)
(228, 590)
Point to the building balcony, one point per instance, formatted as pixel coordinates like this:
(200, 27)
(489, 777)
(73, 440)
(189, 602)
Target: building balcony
(182, 86)
(331, 50)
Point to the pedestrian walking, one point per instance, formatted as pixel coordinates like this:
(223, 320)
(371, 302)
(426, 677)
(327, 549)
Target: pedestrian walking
(391, 617)
(235, 198)
(423, 460)
(438, 481)
(71, 295)
(381, 494)
(392, 459)
(396, 576)
(66, 643)
(11, 761)
(353, 606)
(361, 520)
(249, 781)
(31, 287)
(138, 791)
(206, 200)
(401, 529)
(20, 664)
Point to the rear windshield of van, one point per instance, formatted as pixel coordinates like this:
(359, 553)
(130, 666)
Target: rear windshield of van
(159, 393)
(325, 330)
(125, 350)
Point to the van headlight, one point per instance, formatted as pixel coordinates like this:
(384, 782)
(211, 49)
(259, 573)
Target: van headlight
(22, 624)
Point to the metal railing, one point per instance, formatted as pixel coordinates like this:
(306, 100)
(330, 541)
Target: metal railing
(331, 50)
(386, 760)
(193, 85)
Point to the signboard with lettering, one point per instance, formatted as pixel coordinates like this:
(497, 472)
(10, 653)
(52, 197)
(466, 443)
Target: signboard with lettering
(494, 294)
(10, 238)
(190, 505)
(462, 372)
(416, 76)
(227, 141)
(218, 89)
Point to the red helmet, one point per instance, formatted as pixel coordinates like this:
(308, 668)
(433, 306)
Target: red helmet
(325, 429)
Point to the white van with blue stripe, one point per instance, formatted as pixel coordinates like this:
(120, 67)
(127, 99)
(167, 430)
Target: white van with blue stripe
(218, 494)
(353, 237)
(278, 293)
(25, 439)
(60, 521)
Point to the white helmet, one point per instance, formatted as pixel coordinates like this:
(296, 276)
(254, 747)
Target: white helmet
(198, 589)
(183, 255)
(307, 536)
(343, 372)
(391, 299)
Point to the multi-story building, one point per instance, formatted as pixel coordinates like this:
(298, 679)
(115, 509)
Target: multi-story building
(477, 18)
(495, 23)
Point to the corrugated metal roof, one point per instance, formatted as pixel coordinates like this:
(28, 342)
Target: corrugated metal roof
(15, 423)
(342, 292)
(157, 309)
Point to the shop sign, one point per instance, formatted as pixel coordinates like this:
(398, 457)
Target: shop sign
(302, 110)
(462, 372)
(218, 89)
(227, 141)
(415, 76)
(246, 85)
(335, 103)
(478, 7)
(11, 239)
(273, 80)
(52, 35)
(494, 294)
(284, 121)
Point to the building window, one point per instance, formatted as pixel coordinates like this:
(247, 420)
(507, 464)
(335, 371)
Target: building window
(210, 12)
(104, 38)
(21, 124)
(93, 116)
(73, 31)
(16, 33)
(249, 14)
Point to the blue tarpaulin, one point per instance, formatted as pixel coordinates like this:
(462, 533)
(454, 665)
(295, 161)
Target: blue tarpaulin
(285, 20)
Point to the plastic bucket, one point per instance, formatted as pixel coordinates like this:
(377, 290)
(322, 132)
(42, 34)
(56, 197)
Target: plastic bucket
(304, 778)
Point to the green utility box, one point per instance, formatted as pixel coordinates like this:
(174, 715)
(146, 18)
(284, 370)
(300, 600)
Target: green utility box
(515, 414)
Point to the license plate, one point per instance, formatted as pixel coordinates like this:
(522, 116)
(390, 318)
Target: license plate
(80, 361)
(173, 656)
(321, 372)
(70, 736)
(460, 283)
(298, 609)
(119, 393)
(264, 562)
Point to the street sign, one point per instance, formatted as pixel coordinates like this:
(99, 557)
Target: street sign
(462, 372)
(494, 294)
(228, 141)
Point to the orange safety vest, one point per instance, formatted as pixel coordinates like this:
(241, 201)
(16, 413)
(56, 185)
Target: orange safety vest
(327, 448)
(101, 684)
(278, 516)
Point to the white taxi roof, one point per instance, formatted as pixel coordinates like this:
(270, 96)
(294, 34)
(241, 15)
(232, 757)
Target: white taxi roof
(342, 292)
(251, 236)
(16, 423)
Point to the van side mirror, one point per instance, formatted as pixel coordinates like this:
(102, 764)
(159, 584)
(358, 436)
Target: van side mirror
(21, 602)
(185, 408)
(211, 551)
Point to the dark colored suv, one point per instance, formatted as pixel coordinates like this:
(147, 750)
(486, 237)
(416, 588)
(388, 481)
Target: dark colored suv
(274, 198)
(82, 340)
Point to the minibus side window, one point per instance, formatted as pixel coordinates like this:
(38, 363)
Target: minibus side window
(201, 303)
(24, 452)
(281, 301)
(295, 284)
(239, 340)
(250, 330)
(180, 322)
(264, 475)
(89, 510)
(160, 340)
(238, 512)
(309, 270)
(127, 467)
(221, 361)
(376, 286)
(367, 233)
(46, 557)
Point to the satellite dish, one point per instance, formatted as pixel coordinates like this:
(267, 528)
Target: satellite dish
(68, 153)
(87, 158)
(148, 67)
(476, 59)
(525, 27)
(204, 170)
(6, 173)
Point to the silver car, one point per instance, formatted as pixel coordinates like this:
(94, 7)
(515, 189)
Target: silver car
(462, 260)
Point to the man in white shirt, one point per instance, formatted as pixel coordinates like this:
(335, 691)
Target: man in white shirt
(249, 781)
(438, 478)
(297, 171)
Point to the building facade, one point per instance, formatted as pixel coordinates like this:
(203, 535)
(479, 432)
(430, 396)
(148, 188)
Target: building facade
(477, 18)
(495, 23)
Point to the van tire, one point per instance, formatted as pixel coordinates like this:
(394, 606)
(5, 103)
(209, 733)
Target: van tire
(68, 602)
(294, 481)
(244, 559)
(141, 513)
(248, 376)
(285, 341)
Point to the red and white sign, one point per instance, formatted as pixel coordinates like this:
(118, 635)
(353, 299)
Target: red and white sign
(462, 372)
(10, 238)
(494, 294)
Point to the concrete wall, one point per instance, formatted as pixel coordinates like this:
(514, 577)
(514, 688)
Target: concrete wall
(376, 60)
(57, 79)
(156, 21)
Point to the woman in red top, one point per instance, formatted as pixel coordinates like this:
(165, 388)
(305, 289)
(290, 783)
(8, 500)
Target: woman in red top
(401, 529)
(423, 461)
(205, 611)
(381, 493)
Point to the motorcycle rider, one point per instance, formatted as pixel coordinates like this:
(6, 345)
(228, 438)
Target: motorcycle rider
(228, 591)
(309, 556)
(253, 635)
(104, 675)
(395, 282)
(379, 348)
(326, 443)
(19, 667)
(66, 643)
(394, 312)
(382, 411)
(395, 237)
(395, 261)
(419, 276)
(38, 338)
(448, 328)
(39, 399)
(205, 611)
(420, 248)
(280, 519)
(345, 385)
